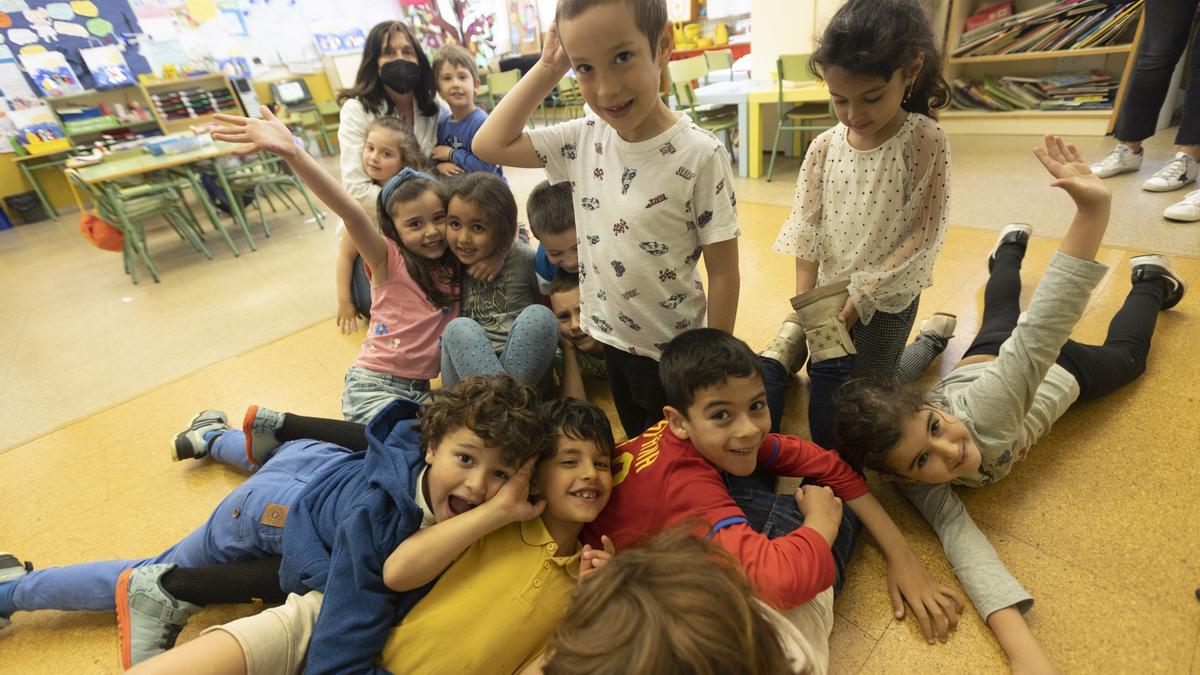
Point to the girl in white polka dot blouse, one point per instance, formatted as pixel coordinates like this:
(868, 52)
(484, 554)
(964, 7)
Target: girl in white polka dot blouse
(871, 199)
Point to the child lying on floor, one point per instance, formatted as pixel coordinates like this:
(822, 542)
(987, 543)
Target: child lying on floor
(1018, 377)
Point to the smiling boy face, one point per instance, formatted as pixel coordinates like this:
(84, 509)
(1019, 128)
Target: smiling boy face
(575, 482)
(726, 423)
(464, 472)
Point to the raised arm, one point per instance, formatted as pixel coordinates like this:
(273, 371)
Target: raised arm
(270, 135)
(502, 139)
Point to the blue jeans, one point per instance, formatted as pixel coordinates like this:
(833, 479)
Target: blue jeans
(233, 531)
(467, 351)
(775, 515)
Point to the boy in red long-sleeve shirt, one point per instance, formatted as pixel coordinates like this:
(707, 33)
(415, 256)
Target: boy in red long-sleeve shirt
(716, 427)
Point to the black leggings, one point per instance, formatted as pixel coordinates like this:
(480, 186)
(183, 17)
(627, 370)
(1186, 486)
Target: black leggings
(258, 580)
(1099, 369)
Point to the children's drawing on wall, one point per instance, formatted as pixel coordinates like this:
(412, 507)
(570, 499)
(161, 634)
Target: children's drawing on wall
(464, 22)
(523, 26)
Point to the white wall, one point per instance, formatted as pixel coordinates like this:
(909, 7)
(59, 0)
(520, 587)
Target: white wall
(786, 27)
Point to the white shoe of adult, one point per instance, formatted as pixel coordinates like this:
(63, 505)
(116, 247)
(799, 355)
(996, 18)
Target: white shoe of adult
(1177, 173)
(1187, 210)
(1122, 159)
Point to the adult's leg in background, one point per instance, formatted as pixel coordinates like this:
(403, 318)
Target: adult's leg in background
(1167, 24)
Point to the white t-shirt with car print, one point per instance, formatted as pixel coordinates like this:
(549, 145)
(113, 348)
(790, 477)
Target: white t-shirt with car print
(642, 212)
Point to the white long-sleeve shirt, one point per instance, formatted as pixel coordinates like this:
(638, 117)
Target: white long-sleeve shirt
(876, 217)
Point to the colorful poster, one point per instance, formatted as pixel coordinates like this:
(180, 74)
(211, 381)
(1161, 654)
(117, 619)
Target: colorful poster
(345, 41)
(107, 67)
(51, 73)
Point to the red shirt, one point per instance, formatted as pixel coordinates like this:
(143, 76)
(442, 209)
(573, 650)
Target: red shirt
(660, 480)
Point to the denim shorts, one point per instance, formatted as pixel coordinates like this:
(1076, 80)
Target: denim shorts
(368, 391)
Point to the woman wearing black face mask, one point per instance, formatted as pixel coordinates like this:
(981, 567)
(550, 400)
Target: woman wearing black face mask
(394, 79)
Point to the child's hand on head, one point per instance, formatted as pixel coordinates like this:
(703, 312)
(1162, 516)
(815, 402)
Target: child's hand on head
(553, 54)
(487, 268)
(448, 168)
(512, 499)
(262, 135)
(592, 559)
(1072, 174)
(347, 317)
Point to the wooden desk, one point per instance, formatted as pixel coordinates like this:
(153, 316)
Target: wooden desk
(104, 174)
(749, 96)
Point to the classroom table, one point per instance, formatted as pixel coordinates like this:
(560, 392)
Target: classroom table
(30, 163)
(749, 96)
(104, 175)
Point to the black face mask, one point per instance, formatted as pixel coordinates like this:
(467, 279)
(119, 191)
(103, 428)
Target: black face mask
(401, 76)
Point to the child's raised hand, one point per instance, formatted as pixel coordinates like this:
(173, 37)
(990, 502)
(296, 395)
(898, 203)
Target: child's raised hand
(513, 497)
(553, 54)
(592, 559)
(1072, 174)
(267, 134)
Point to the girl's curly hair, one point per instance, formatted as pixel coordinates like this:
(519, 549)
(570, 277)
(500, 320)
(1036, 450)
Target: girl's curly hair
(869, 417)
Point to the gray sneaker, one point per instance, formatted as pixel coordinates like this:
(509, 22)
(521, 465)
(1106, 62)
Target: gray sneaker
(11, 569)
(148, 618)
(1177, 173)
(1120, 160)
(259, 425)
(191, 443)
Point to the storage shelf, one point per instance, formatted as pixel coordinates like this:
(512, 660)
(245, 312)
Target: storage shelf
(144, 124)
(1027, 122)
(1018, 114)
(1031, 56)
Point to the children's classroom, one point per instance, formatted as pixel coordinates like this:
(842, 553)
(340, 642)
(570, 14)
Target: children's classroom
(599, 336)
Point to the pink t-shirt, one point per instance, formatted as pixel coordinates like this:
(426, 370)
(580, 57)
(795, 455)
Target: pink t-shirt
(405, 333)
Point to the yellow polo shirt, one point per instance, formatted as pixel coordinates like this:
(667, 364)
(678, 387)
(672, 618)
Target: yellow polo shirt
(492, 610)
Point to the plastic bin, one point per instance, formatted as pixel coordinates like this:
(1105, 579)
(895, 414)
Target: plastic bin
(5, 223)
(27, 206)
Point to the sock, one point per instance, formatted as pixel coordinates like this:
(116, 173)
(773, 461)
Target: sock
(240, 582)
(210, 437)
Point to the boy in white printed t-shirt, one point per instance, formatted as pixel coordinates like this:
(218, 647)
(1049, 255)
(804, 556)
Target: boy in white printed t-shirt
(652, 191)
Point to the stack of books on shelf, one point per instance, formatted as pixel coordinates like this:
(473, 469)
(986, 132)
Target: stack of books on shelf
(1054, 26)
(1094, 90)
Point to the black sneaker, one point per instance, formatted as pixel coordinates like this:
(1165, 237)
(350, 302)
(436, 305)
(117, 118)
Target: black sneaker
(190, 443)
(11, 569)
(1151, 267)
(1013, 233)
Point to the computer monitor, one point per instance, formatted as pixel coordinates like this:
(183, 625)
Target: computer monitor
(291, 92)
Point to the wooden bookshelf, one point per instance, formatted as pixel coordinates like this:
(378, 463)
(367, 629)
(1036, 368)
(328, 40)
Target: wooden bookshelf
(1117, 60)
(91, 98)
(1039, 56)
(167, 88)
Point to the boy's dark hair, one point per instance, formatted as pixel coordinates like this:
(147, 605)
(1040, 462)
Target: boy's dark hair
(370, 90)
(490, 195)
(503, 412)
(453, 55)
(579, 420)
(649, 15)
(409, 148)
(549, 209)
(703, 357)
(563, 281)
(437, 279)
(869, 417)
(875, 37)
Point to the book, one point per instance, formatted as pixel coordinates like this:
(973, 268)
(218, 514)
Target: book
(1053, 26)
(1000, 10)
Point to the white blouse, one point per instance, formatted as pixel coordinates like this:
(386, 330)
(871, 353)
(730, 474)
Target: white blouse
(876, 217)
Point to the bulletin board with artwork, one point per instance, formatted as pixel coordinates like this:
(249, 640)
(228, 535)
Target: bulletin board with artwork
(466, 22)
(36, 30)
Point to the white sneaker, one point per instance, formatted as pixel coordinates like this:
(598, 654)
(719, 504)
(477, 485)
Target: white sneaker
(1187, 210)
(1121, 160)
(1177, 173)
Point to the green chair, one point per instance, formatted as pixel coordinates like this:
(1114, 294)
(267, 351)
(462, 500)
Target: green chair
(804, 118)
(131, 213)
(719, 59)
(265, 177)
(566, 96)
(499, 84)
(714, 118)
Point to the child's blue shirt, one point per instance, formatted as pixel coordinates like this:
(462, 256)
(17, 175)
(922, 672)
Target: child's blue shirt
(544, 269)
(458, 136)
(346, 524)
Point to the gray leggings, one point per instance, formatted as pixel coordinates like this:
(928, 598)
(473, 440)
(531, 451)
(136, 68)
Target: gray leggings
(527, 354)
